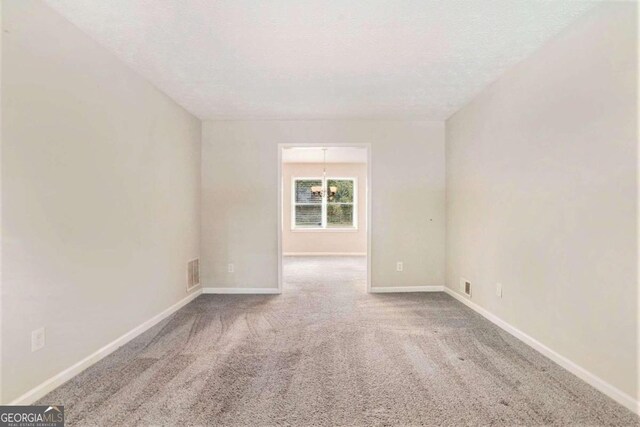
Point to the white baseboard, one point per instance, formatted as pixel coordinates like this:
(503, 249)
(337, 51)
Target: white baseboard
(49, 385)
(240, 291)
(591, 379)
(390, 289)
(324, 254)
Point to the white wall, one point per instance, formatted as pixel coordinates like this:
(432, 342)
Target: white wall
(1, 234)
(541, 195)
(328, 241)
(240, 205)
(100, 196)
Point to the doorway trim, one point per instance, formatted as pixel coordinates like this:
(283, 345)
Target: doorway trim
(368, 192)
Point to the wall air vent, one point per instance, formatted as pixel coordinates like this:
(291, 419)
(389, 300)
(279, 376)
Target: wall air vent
(465, 286)
(193, 273)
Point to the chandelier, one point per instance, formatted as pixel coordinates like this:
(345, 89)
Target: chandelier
(319, 190)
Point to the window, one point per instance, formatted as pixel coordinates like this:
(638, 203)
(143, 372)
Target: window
(319, 204)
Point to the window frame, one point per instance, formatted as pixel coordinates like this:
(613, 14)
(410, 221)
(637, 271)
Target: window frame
(323, 203)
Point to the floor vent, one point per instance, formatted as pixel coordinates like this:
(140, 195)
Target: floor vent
(193, 273)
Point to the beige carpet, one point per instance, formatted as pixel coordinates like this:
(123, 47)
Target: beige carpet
(327, 353)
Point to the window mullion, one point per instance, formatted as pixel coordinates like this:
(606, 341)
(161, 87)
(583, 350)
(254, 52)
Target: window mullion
(324, 203)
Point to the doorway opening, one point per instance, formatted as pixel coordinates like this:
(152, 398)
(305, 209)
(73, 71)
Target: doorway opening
(324, 227)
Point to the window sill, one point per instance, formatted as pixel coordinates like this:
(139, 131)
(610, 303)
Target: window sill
(325, 230)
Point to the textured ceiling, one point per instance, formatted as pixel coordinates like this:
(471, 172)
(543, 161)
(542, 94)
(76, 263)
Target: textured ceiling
(256, 59)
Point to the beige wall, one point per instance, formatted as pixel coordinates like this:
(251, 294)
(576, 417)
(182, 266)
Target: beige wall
(325, 241)
(541, 195)
(240, 226)
(100, 196)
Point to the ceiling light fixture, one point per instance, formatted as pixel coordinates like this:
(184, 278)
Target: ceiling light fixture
(319, 190)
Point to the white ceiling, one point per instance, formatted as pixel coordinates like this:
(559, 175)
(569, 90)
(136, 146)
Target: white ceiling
(296, 59)
(316, 155)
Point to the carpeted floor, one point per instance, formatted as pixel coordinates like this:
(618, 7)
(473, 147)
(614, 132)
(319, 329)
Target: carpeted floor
(326, 353)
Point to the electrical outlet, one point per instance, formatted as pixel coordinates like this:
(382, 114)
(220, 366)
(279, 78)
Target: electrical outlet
(399, 266)
(231, 268)
(37, 339)
(499, 290)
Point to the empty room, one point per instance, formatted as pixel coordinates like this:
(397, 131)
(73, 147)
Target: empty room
(305, 213)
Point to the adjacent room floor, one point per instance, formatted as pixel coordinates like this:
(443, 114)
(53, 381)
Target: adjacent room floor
(327, 353)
